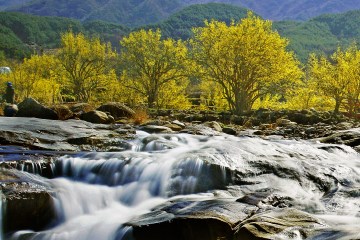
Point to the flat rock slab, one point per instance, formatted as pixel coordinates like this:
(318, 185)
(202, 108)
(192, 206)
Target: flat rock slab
(190, 220)
(69, 135)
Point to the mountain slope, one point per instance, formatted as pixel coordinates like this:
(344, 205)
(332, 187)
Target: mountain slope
(290, 9)
(127, 12)
(179, 25)
(139, 12)
(22, 34)
(321, 34)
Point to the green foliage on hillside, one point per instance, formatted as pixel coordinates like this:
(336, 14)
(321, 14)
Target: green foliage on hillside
(128, 12)
(322, 34)
(23, 34)
(307, 37)
(344, 26)
(179, 25)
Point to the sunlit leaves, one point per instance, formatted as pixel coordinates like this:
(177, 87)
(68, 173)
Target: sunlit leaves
(338, 76)
(246, 60)
(155, 69)
(86, 63)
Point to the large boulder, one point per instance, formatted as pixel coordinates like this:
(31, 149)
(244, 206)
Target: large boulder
(29, 204)
(32, 108)
(96, 116)
(117, 110)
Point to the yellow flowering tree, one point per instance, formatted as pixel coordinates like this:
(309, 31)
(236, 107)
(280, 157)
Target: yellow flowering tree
(87, 65)
(338, 76)
(154, 68)
(247, 60)
(36, 77)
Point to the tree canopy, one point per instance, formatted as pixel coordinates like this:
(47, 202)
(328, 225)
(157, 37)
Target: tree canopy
(153, 67)
(246, 59)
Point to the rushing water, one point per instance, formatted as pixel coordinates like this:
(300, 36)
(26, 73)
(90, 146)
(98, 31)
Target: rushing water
(96, 193)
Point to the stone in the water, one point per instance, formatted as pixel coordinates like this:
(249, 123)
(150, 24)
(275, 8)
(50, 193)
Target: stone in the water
(155, 129)
(290, 223)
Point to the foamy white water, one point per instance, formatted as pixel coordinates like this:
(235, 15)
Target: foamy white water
(99, 192)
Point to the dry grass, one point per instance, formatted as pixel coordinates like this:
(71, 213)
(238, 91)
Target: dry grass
(140, 116)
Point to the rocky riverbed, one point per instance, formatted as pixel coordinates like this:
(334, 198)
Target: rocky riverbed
(143, 180)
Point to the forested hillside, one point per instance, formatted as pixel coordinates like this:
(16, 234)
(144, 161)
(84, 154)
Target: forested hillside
(179, 25)
(126, 12)
(139, 12)
(290, 9)
(22, 34)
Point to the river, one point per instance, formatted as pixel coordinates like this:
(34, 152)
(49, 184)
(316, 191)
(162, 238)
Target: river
(97, 193)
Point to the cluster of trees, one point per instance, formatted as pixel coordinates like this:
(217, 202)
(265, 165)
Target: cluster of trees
(237, 66)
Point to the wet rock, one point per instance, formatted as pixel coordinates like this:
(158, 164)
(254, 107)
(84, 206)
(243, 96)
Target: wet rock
(348, 137)
(10, 110)
(43, 134)
(191, 220)
(177, 122)
(155, 129)
(229, 130)
(174, 127)
(32, 108)
(96, 116)
(344, 125)
(29, 204)
(31, 162)
(117, 110)
(200, 129)
(214, 125)
(289, 223)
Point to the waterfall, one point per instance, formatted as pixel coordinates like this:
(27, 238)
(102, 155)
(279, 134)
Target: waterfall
(97, 193)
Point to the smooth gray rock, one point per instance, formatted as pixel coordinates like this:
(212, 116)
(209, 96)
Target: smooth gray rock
(191, 220)
(69, 135)
(32, 108)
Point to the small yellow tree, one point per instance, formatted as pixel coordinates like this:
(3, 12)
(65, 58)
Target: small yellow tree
(246, 59)
(35, 77)
(338, 76)
(154, 68)
(86, 63)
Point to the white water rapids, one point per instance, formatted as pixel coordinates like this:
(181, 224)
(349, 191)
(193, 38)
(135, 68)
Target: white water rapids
(99, 192)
